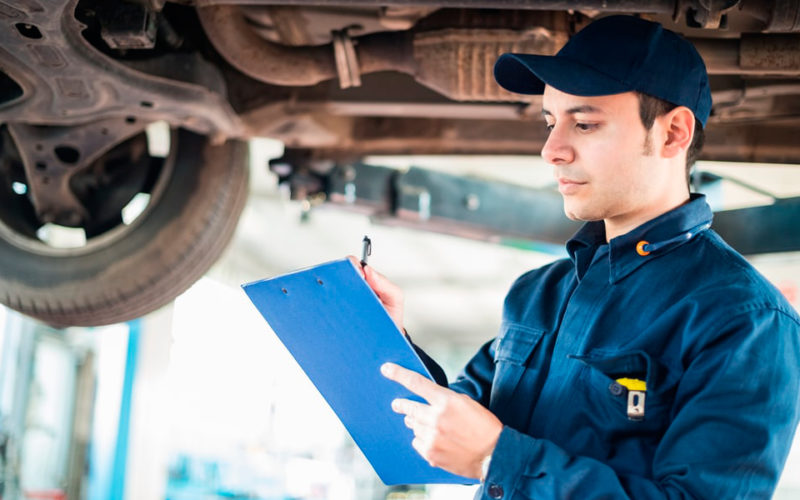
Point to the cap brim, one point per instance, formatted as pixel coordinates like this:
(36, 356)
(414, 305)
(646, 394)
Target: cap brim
(528, 74)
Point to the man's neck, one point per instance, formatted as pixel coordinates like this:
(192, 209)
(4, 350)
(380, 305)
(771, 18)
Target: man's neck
(624, 224)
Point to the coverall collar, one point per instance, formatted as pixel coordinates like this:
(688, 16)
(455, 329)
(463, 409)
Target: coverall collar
(627, 252)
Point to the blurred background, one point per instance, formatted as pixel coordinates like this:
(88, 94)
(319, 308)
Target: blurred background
(199, 400)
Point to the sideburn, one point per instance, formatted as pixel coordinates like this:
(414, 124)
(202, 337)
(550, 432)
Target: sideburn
(647, 147)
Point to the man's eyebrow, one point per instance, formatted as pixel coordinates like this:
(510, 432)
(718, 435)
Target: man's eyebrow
(584, 108)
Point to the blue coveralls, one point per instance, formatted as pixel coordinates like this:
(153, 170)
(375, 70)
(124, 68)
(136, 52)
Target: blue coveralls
(716, 344)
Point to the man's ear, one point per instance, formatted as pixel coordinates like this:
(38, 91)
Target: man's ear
(678, 131)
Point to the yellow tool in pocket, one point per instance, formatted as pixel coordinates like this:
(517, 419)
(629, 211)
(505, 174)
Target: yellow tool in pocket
(636, 396)
(633, 384)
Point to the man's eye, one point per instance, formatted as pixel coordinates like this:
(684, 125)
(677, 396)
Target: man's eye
(586, 126)
(549, 126)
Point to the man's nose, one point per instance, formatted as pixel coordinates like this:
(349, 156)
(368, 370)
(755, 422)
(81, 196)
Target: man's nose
(557, 149)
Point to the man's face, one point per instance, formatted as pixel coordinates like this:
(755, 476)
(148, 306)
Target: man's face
(597, 146)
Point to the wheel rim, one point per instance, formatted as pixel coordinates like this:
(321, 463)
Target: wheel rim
(20, 226)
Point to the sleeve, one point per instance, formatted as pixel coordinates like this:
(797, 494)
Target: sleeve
(439, 376)
(733, 419)
(475, 380)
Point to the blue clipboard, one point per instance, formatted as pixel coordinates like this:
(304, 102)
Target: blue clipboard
(339, 332)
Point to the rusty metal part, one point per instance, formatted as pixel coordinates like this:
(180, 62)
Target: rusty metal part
(155, 5)
(458, 63)
(517, 20)
(354, 136)
(652, 6)
(386, 52)
(455, 63)
(168, 34)
(711, 14)
(785, 17)
(52, 155)
(506, 111)
(766, 102)
(402, 17)
(230, 33)
(772, 53)
(284, 24)
(762, 55)
(314, 25)
(66, 81)
(127, 26)
(720, 55)
(776, 15)
(775, 142)
(346, 60)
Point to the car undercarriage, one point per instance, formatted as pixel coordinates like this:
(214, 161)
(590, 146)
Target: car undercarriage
(84, 86)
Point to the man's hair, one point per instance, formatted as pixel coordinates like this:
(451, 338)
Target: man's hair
(652, 107)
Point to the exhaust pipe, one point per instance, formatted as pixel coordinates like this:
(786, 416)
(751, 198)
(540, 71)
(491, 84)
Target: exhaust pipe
(456, 63)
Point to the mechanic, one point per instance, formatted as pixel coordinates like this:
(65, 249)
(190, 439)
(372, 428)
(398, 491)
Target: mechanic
(655, 361)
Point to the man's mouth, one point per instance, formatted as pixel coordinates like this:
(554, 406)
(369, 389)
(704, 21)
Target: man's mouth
(568, 186)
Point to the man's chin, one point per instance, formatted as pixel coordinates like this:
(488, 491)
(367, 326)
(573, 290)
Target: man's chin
(579, 215)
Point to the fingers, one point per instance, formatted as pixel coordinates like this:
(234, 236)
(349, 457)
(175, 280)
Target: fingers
(414, 382)
(415, 412)
(376, 280)
(425, 448)
(389, 293)
(357, 264)
(414, 420)
(453, 431)
(422, 448)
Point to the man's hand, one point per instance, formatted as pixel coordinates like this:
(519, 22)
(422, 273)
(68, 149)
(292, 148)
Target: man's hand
(390, 295)
(452, 431)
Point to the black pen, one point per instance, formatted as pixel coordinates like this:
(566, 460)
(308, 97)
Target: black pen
(366, 250)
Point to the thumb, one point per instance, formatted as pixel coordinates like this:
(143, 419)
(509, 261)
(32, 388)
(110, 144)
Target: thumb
(388, 292)
(357, 264)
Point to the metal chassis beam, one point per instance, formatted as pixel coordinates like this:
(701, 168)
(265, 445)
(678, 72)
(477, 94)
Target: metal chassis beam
(496, 211)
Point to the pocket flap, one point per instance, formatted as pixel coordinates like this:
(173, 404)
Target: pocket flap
(516, 344)
(630, 364)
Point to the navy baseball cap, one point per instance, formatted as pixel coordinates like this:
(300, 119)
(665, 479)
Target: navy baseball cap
(612, 55)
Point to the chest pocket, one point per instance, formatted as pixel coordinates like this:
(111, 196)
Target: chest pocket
(509, 400)
(610, 400)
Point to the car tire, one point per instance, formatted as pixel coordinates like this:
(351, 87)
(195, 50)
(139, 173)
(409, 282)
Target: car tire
(176, 241)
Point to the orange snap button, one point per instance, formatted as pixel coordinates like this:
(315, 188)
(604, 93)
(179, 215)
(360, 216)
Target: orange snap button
(640, 248)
